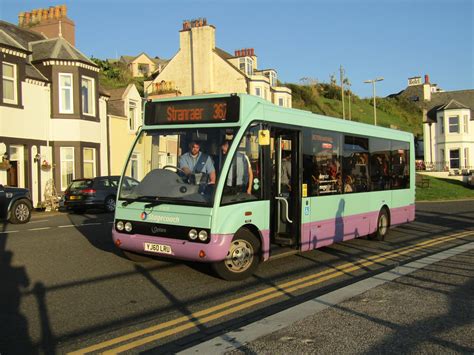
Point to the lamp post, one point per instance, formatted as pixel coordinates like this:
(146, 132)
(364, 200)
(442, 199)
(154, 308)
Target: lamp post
(373, 81)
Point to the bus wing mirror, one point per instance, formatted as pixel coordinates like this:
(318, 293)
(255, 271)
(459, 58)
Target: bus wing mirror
(264, 137)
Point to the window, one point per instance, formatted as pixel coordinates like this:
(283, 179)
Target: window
(258, 91)
(441, 124)
(132, 116)
(144, 69)
(454, 124)
(88, 96)
(454, 159)
(466, 124)
(273, 78)
(243, 181)
(355, 164)
(9, 80)
(134, 165)
(65, 93)
(400, 167)
(246, 65)
(280, 102)
(379, 164)
(466, 158)
(89, 162)
(322, 162)
(67, 166)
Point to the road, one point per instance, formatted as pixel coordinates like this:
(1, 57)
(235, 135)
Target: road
(65, 287)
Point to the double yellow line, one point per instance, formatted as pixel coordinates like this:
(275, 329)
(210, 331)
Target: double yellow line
(178, 325)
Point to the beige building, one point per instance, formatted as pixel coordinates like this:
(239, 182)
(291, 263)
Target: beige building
(143, 65)
(125, 118)
(200, 68)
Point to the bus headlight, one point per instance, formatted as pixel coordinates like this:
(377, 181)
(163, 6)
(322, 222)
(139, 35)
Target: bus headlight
(119, 226)
(193, 234)
(202, 236)
(128, 227)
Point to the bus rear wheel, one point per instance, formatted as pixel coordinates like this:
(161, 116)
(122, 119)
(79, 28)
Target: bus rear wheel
(383, 222)
(242, 258)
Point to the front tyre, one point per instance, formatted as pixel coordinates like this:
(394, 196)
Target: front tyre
(21, 212)
(383, 223)
(242, 258)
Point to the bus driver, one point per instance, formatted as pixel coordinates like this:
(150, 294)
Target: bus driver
(198, 166)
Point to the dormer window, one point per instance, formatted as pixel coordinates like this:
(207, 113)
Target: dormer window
(273, 78)
(143, 69)
(65, 93)
(88, 96)
(246, 65)
(9, 79)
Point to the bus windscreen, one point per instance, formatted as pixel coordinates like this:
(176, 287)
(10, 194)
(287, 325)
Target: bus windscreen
(213, 110)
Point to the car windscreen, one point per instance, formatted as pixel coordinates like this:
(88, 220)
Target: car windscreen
(175, 166)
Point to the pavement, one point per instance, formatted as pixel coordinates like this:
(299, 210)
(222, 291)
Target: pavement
(426, 306)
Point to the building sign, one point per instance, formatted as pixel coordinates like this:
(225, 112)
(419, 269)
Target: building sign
(414, 81)
(218, 110)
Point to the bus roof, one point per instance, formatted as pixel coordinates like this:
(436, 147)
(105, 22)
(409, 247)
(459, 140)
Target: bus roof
(254, 108)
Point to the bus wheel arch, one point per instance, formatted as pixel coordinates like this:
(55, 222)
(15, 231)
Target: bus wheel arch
(383, 224)
(243, 256)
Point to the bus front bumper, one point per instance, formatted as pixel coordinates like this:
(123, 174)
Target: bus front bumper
(215, 250)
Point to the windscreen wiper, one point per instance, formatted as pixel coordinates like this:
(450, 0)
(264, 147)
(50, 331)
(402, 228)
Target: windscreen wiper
(158, 201)
(138, 199)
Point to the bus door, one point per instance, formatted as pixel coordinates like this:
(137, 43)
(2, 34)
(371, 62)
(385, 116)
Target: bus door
(285, 191)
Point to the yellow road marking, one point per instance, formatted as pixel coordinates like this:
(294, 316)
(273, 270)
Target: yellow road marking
(256, 298)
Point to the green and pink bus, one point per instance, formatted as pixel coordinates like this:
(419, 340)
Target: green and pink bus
(234, 180)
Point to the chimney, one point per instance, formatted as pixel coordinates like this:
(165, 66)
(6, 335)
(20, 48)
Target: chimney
(52, 22)
(427, 79)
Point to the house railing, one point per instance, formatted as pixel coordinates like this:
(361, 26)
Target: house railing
(444, 166)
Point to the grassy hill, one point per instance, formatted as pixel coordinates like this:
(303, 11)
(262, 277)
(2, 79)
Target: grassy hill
(322, 98)
(326, 99)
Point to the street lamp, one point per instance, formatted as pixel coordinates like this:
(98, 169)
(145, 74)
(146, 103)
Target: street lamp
(373, 81)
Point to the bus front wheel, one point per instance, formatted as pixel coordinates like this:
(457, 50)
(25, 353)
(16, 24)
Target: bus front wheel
(242, 258)
(383, 223)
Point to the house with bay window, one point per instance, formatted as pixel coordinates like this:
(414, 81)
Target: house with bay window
(201, 68)
(53, 115)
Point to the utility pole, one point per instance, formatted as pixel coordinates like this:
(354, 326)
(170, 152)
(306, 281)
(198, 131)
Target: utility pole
(349, 93)
(373, 81)
(341, 70)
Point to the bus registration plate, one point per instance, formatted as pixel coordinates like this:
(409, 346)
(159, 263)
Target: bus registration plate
(158, 248)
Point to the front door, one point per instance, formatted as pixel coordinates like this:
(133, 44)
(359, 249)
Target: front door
(285, 194)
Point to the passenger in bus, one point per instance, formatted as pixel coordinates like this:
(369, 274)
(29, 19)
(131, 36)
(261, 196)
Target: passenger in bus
(240, 175)
(348, 185)
(198, 166)
(286, 173)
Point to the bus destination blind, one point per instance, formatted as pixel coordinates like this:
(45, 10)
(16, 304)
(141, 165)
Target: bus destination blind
(220, 110)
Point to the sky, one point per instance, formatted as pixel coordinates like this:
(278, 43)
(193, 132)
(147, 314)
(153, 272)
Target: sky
(299, 39)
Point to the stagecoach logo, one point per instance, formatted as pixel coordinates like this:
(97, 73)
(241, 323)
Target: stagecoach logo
(158, 218)
(156, 229)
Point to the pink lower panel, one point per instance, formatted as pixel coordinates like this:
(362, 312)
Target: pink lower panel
(322, 233)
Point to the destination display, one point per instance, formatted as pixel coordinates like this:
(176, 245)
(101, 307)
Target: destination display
(215, 110)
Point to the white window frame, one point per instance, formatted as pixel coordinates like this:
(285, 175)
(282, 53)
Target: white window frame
(71, 93)
(466, 124)
(449, 125)
(132, 104)
(458, 159)
(273, 78)
(15, 83)
(466, 158)
(92, 103)
(246, 65)
(62, 159)
(84, 161)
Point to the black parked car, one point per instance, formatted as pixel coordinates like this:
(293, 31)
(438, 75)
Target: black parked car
(99, 192)
(15, 204)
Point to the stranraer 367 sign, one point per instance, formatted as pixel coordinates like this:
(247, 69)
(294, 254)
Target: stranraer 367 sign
(215, 110)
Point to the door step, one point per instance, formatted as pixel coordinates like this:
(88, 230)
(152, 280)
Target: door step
(284, 239)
